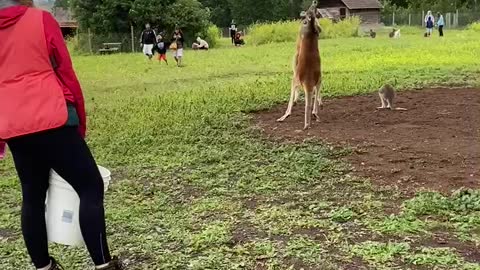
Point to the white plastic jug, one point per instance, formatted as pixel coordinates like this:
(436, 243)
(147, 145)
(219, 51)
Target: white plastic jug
(62, 210)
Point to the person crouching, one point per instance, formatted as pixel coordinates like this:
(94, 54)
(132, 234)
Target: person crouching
(200, 45)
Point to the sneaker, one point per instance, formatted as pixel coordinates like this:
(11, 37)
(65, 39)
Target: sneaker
(115, 264)
(55, 265)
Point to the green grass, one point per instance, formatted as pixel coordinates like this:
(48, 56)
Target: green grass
(196, 187)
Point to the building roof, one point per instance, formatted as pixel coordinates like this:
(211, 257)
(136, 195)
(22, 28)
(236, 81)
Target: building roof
(362, 4)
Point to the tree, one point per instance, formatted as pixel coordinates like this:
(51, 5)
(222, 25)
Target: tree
(104, 16)
(220, 11)
(62, 4)
(251, 11)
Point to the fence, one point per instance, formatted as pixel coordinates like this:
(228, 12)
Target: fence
(89, 42)
(452, 19)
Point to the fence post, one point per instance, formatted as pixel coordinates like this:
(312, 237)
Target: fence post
(457, 21)
(393, 18)
(423, 18)
(77, 38)
(133, 38)
(90, 40)
(409, 19)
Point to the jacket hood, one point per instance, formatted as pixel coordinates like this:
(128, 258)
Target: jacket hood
(11, 15)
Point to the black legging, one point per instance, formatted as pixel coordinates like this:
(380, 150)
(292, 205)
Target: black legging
(67, 153)
(232, 35)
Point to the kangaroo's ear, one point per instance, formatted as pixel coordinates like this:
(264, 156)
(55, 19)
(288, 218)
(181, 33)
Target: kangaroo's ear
(303, 14)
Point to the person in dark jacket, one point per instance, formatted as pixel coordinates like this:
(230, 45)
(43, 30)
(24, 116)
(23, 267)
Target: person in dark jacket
(148, 40)
(233, 31)
(43, 122)
(429, 23)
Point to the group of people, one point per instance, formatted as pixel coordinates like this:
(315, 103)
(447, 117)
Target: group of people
(151, 43)
(236, 36)
(430, 23)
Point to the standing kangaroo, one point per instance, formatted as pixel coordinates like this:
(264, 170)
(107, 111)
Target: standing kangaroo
(307, 67)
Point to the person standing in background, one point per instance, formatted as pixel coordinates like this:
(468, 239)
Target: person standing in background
(440, 23)
(429, 23)
(43, 122)
(233, 31)
(148, 41)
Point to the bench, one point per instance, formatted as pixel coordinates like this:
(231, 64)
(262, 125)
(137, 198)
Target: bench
(109, 48)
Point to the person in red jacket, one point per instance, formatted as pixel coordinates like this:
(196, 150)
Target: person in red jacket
(43, 122)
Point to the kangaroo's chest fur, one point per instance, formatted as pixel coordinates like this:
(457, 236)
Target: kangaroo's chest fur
(307, 66)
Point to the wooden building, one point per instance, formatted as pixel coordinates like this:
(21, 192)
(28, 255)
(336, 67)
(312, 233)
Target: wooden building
(68, 24)
(64, 17)
(368, 10)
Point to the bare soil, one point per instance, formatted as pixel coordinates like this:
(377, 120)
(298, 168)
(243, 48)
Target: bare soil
(435, 145)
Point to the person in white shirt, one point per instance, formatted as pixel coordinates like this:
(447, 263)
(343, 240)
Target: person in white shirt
(200, 45)
(429, 23)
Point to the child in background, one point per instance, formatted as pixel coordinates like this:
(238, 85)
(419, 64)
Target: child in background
(429, 23)
(162, 49)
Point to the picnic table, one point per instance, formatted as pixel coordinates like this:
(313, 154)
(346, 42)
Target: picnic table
(112, 47)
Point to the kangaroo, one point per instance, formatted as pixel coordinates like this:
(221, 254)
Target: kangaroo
(307, 67)
(387, 95)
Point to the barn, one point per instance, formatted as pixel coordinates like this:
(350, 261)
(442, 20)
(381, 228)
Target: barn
(64, 17)
(66, 21)
(368, 10)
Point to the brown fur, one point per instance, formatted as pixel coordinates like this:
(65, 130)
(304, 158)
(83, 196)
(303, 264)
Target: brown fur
(307, 68)
(387, 97)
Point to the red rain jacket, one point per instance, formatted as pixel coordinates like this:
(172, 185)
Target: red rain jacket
(29, 39)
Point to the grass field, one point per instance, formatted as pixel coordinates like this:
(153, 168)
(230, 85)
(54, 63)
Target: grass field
(196, 187)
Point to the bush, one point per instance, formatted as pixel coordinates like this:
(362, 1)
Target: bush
(474, 27)
(288, 31)
(212, 36)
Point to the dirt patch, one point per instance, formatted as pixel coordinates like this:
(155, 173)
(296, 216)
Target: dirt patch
(467, 250)
(434, 145)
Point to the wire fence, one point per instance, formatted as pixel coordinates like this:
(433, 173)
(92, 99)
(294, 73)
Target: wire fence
(452, 19)
(87, 41)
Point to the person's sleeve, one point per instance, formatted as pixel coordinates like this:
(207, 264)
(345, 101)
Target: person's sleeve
(64, 70)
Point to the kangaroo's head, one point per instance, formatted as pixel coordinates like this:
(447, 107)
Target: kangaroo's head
(309, 21)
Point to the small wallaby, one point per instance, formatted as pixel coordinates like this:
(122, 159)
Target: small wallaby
(387, 96)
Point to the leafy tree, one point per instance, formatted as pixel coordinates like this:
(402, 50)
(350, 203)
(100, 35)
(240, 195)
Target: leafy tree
(104, 16)
(62, 4)
(220, 11)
